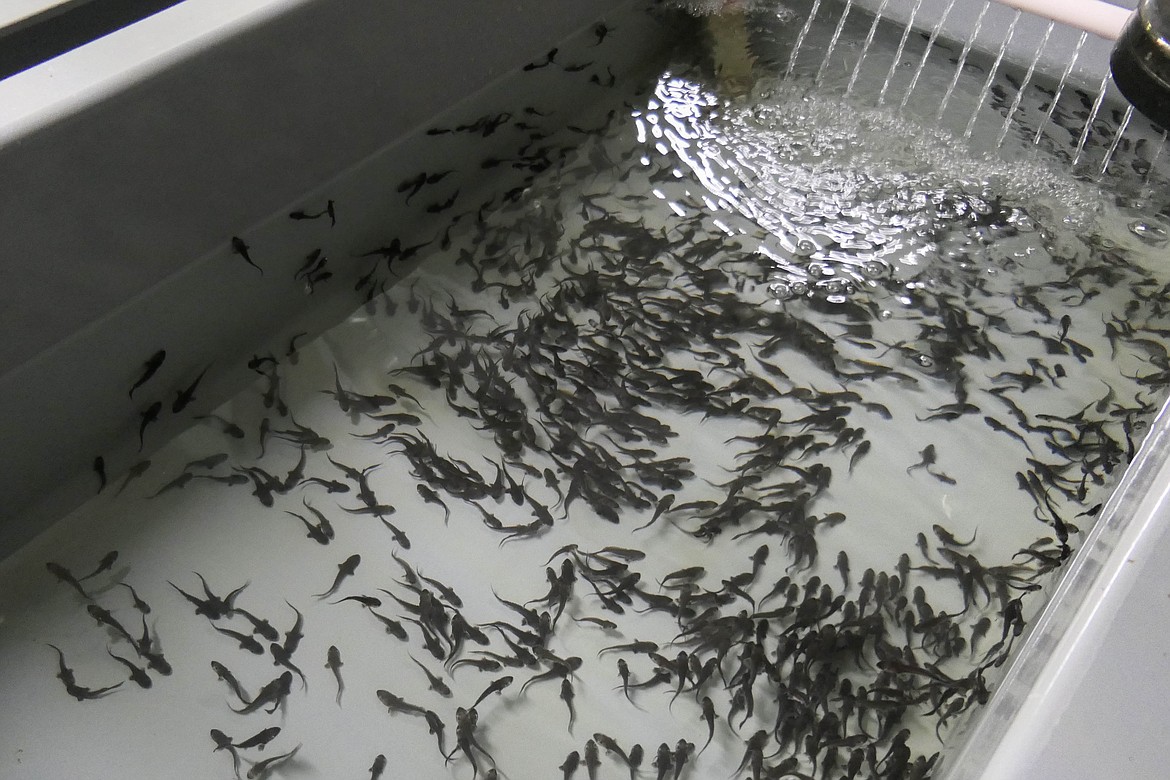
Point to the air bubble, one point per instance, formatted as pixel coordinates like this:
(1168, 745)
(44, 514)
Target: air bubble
(1149, 233)
(781, 291)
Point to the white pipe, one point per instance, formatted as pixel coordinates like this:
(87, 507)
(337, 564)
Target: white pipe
(1094, 16)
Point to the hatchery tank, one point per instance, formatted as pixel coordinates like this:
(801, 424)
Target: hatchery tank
(635, 411)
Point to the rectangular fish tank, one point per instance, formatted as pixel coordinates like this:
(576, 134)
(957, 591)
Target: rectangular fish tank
(591, 389)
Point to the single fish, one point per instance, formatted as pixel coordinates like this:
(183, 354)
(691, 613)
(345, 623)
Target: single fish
(569, 767)
(224, 742)
(64, 575)
(99, 468)
(333, 664)
(495, 687)
(222, 673)
(261, 769)
(282, 657)
(246, 641)
(241, 249)
(431, 497)
(663, 760)
(138, 675)
(149, 369)
(344, 569)
(634, 761)
(184, 397)
(104, 617)
(567, 698)
(260, 627)
(395, 703)
(259, 739)
(139, 604)
(149, 416)
(378, 767)
(81, 693)
(137, 470)
(708, 715)
(105, 564)
(592, 759)
(436, 683)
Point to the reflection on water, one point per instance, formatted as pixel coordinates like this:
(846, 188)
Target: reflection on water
(740, 442)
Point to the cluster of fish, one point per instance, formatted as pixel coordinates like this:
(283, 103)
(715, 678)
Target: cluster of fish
(145, 645)
(581, 342)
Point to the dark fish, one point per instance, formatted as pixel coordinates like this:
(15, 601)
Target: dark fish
(261, 769)
(495, 687)
(222, 673)
(224, 742)
(145, 647)
(395, 703)
(843, 567)
(261, 627)
(439, 208)
(259, 739)
(184, 397)
(139, 604)
(928, 456)
(282, 657)
(567, 698)
(708, 715)
(104, 617)
(436, 683)
(293, 637)
(333, 664)
(365, 601)
(104, 564)
(608, 625)
(64, 673)
(272, 693)
(137, 674)
(634, 761)
(246, 641)
(241, 249)
(212, 606)
(226, 426)
(592, 759)
(548, 60)
(569, 767)
(321, 533)
(392, 626)
(682, 754)
(378, 767)
(663, 506)
(431, 497)
(137, 470)
(148, 417)
(64, 575)
(663, 760)
(858, 453)
(149, 368)
(99, 468)
(344, 569)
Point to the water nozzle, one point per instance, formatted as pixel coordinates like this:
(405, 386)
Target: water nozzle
(1141, 60)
